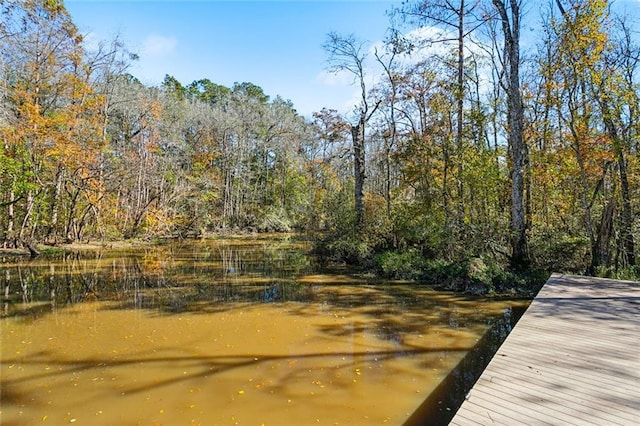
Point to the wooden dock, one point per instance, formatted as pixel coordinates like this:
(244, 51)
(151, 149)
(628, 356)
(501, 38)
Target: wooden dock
(572, 359)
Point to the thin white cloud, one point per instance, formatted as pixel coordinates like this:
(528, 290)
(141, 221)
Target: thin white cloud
(158, 45)
(429, 43)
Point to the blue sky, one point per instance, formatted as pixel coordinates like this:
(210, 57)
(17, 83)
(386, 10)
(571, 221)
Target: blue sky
(274, 44)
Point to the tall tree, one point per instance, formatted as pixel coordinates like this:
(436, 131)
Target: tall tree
(509, 15)
(387, 60)
(348, 54)
(457, 21)
(596, 68)
(625, 61)
(56, 115)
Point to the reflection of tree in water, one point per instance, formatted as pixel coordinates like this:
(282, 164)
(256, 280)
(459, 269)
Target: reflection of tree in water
(152, 276)
(208, 277)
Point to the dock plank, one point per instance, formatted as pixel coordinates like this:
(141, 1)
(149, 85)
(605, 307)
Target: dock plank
(573, 358)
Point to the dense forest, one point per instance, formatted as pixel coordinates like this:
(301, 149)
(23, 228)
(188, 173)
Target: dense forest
(467, 156)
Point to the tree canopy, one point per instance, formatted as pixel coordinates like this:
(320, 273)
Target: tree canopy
(473, 150)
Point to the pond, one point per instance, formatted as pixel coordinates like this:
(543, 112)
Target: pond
(227, 331)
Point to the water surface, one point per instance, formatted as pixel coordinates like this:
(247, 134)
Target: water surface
(240, 331)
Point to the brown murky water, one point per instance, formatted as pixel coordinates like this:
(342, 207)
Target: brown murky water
(222, 332)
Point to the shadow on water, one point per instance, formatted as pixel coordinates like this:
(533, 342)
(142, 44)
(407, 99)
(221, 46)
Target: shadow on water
(205, 366)
(441, 405)
(218, 277)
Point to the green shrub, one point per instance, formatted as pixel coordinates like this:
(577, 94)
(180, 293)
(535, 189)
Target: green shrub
(482, 275)
(274, 220)
(377, 227)
(631, 273)
(407, 264)
(560, 254)
(341, 241)
(347, 249)
(413, 228)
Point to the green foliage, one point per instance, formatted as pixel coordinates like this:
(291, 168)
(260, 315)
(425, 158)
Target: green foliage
(562, 253)
(171, 85)
(339, 241)
(15, 171)
(342, 240)
(251, 91)
(377, 227)
(348, 249)
(339, 214)
(295, 199)
(409, 264)
(631, 273)
(483, 275)
(88, 152)
(413, 226)
(207, 91)
(274, 220)
(474, 275)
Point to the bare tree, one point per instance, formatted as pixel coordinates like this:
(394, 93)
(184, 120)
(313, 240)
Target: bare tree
(347, 53)
(388, 62)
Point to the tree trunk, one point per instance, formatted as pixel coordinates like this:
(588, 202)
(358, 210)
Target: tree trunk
(346, 55)
(601, 250)
(584, 197)
(515, 118)
(55, 202)
(449, 239)
(626, 233)
(627, 215)
(26, 222)
(33, 251)
(10, 217)
(387, 186)
(460, 118)
(357, 135)
(70, 229)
